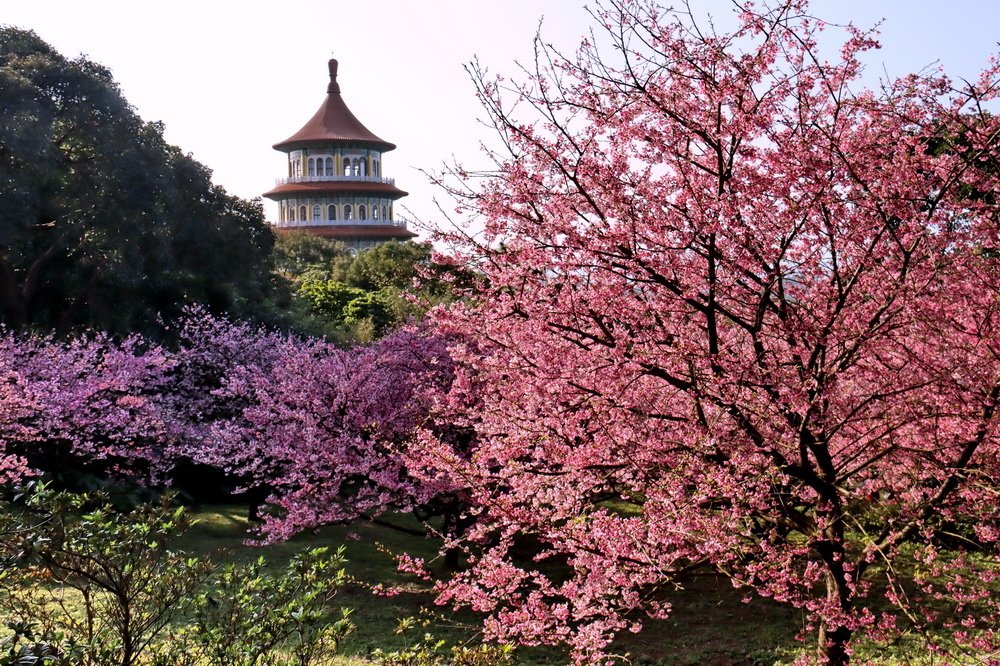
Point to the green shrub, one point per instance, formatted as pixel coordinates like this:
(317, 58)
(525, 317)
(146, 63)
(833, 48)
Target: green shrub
(105, 578)
(87, 585)
(246, 618)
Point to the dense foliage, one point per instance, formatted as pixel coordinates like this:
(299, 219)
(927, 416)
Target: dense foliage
(360, 297)
(87, 583)
(736, 314)
(102, 223)
(325, 431)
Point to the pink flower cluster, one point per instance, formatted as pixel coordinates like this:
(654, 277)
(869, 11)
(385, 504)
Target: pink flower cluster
(64, 402)
(325, 430)
(735, 312)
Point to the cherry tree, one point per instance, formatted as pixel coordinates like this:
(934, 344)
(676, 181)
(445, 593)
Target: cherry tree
(737, 312)
(338, 424)
(208, 388)
(323, 433)
(80, 401)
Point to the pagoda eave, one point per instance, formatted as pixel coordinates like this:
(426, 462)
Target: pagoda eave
(360, 232)
(325, 143)
(335, 187)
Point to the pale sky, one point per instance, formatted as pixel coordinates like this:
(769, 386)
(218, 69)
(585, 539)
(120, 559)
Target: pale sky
(229, 78)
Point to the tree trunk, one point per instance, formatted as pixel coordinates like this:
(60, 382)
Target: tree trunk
(256, 499)
(12, 301)
(833, 640)
(454, 527)
(16, 296)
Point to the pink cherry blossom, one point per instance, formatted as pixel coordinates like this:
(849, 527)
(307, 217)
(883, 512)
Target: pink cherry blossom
(736, 312)
(70, 402)
(325, 430)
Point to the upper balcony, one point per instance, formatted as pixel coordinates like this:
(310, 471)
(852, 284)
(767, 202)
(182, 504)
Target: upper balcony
(398, 223)
(332, 179)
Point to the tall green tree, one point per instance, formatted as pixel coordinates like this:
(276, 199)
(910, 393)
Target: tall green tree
(391, 265)
(297, 252)
(359, 297)
(102, 222)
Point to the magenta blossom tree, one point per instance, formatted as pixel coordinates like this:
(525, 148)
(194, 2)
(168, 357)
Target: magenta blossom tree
(737, 312)
(209, 390)
(338, 424)
(64, 403)
(323, 432)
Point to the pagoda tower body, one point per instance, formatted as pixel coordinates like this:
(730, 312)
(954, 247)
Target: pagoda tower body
(335, 187)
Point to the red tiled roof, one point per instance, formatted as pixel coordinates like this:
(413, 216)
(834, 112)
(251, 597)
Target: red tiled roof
(333, 122)
(354, 231)
(336, 187)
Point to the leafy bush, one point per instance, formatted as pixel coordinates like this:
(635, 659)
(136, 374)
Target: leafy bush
(106, 578)
(246, 616)
(27, 648)
(89, 585)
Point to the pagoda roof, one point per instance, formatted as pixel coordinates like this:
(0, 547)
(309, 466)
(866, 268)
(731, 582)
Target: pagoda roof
(362, 187)
(382, 231)
(333, 123)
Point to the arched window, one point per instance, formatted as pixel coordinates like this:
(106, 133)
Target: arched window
(384, 216)
(364, 166)
(312, 167)
(362, 212)
(331, 212)
(375, 168)
(329, 166)
(302, 213)
(298, 167)
(374, 212)
(291, 213)
(348, 212)
(317, 213)
(347, 166)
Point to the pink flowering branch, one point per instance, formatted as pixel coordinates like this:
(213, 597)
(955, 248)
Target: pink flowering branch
(735, 309)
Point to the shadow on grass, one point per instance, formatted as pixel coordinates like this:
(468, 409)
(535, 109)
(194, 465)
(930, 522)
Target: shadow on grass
(710, 624)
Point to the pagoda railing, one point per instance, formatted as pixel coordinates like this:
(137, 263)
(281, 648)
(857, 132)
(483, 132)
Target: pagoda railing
(329, 179)
(343, 223)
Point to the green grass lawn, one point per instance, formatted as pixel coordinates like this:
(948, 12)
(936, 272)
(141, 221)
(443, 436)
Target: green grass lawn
(220, 531)
(710, 623)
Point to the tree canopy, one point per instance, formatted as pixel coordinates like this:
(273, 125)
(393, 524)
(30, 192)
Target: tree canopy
(735, 316)
(102, 223)
(363, 296)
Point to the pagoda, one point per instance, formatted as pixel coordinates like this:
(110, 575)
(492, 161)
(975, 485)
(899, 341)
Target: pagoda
(335, 187)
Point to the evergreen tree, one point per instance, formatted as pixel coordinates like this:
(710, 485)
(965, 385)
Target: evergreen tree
(103, 223)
